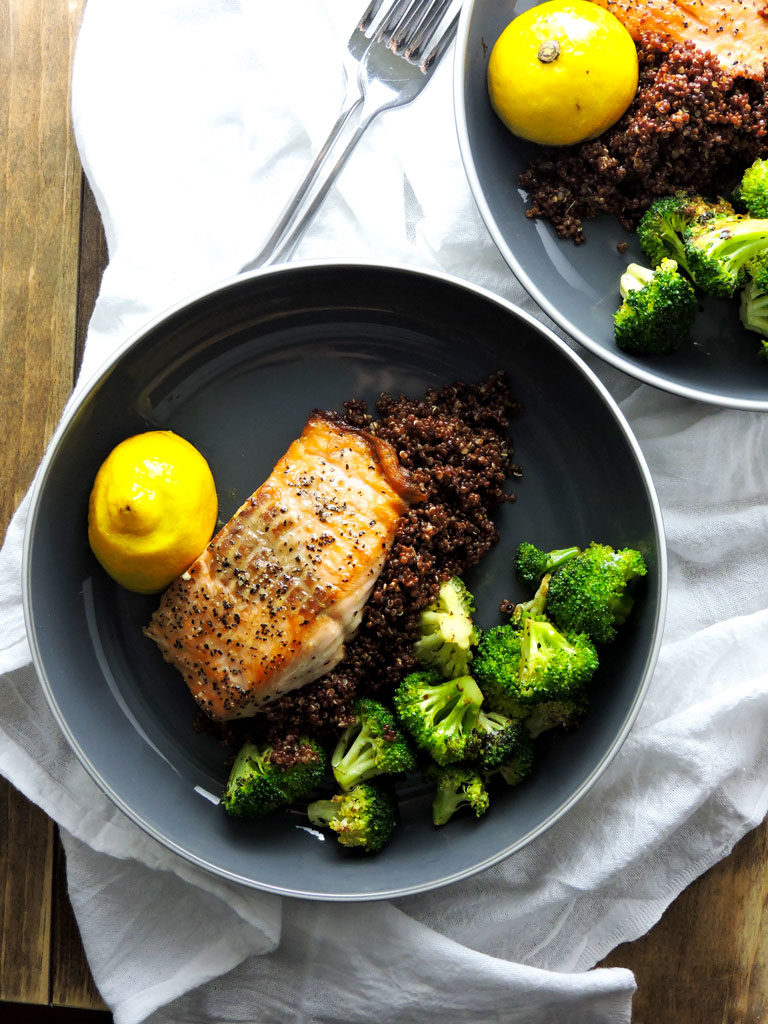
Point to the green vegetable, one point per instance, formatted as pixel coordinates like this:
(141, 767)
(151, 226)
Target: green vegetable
(658, 310)
(663, 225)
(531, 563)
(718, 251)
(257, 785)
(753, 188)
(457, 786)
(372, 745)
(447, 633)
(440, 714)
(590, 595)
(506, 745)
(365, 817)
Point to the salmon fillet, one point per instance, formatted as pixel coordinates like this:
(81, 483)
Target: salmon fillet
(734, 31)
(272, 600)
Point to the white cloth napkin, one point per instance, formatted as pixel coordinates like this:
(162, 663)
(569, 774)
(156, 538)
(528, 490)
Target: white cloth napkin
(194, 121)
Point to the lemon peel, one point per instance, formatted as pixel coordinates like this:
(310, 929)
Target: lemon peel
(152, 510)
(562, 72)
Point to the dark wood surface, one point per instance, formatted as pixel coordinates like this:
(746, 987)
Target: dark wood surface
(706, 960)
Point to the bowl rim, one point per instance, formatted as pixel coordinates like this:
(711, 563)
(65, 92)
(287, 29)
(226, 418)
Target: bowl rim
(616, 358)
(83, 393)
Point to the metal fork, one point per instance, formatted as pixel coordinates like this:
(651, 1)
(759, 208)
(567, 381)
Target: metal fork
(392, 67)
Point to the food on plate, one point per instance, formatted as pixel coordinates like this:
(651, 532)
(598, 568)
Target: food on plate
(373, 745)
(735, 32)
(454, 441)
(534, 667)
(658, 310)
(562, 72)
(152, 509)
(752, 190)
(364, 817)
(457, 786)
(532, 564)
(257, 785)
(501, 741)
(662, 228)
(692, 125)
(590, 593)
(271, 602)
(447, 634)
(440, 714)
(753, 310)
(722, 251)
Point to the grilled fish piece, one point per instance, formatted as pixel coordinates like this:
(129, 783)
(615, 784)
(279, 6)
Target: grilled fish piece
(270, 603)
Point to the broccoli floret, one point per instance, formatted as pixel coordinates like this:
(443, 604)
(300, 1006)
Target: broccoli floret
(531, 563)
(447, 633)
(537, 604)
(658, 310)
(555, 713)
(590, 595)
(754, 308)
(757, 269)
(440, 714)
(520, 669)
(364, 817)
(372, 745)
(257, 785)
(718, 252)
(502, 740)
(753, 188)
(457, 786)
(661, 229)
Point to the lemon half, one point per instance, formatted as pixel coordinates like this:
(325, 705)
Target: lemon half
(562, 72)
(152, 510)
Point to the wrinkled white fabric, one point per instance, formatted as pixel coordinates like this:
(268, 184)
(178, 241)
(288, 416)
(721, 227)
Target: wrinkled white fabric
(193, 123)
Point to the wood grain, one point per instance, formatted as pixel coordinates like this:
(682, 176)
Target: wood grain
(39, 225)
(706, 960)
(39, 220)
(26, 868)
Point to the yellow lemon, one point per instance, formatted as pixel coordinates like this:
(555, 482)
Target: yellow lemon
(152, 510)
(562, 72)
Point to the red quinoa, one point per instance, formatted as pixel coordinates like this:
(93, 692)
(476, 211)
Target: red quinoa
(455, 443)
(690, 125)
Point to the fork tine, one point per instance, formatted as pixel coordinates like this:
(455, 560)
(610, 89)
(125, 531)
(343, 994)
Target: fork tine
(417, 20)
(394, 18)
(415, 50)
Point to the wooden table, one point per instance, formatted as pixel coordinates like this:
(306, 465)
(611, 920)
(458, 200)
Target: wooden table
(704, 963)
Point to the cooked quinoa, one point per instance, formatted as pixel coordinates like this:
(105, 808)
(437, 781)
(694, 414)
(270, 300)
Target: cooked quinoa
(455, 443)
(691, 125)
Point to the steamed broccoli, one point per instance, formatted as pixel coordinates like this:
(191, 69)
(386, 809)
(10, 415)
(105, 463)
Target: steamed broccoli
(521, 669)
(531, 563)
(556, 713)
(447, 633)
(440, 714)
(590, 595)
(754, 312)
(457, 786)
(257, 785)
(536, 605)
(364, 817)
(718, 251)
(371, 746)
(505, 742)
(753, 188)
(661, 229)
(658, 310)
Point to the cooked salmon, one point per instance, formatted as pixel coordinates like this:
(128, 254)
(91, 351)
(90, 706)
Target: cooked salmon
(735, 31)
(281, 588)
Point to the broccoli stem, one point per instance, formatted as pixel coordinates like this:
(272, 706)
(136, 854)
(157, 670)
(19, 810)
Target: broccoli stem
(322, 812)
(445, 805)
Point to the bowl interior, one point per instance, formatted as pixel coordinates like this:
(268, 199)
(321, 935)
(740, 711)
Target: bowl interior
(578, 285)
(236, 371)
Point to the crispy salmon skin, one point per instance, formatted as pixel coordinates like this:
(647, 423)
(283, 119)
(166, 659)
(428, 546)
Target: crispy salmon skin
(734, 31)
(272, 600)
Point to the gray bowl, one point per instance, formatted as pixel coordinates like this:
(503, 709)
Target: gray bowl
(236, 370)
(578, 285)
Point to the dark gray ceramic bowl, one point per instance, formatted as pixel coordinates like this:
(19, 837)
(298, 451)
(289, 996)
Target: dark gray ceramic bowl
(236, 370)
(578, 285)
